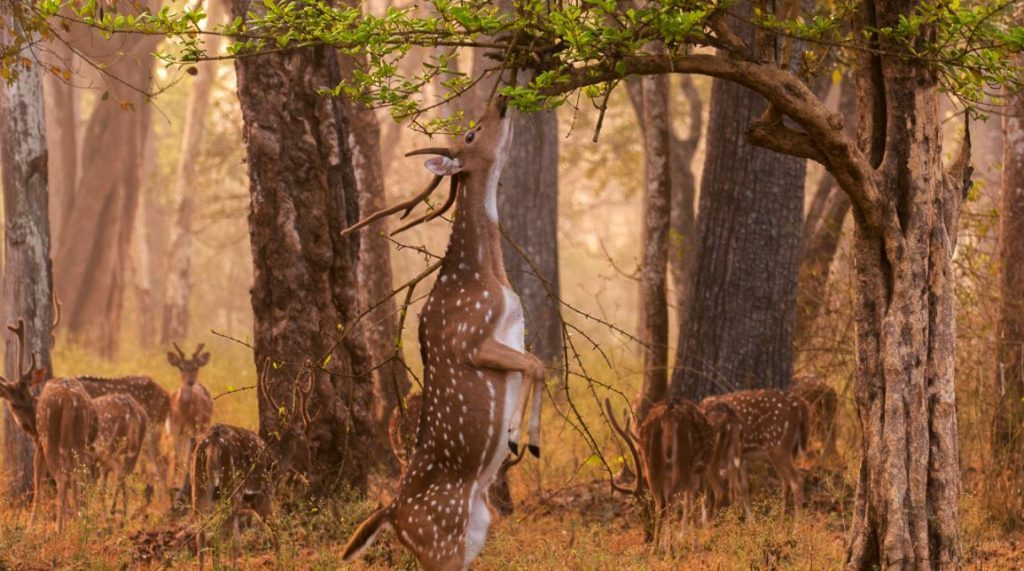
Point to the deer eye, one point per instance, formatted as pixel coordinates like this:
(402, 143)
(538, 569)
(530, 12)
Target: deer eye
(470, 136)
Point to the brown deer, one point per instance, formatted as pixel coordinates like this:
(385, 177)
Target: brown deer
(235, 466)
(824, 405)
(191, 408)
(477, 375)
(776, 426)
(672, 449)
(725, 464)
(61, 421)
(154, 400)
(121, 434)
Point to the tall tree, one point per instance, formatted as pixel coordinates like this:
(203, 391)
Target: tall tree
(1008, 428)
(741, 297)
(27, 278)
(92, 257)
(179, 266)
(61, 134)
(305, 290)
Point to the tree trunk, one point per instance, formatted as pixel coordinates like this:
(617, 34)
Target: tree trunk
(179, 266)
(91, 261)
(738, 327)
(143, 261)
(27, 279)
(906, 506)
(654, 241)
(62, 138)
(1008, 426)
(305, 289)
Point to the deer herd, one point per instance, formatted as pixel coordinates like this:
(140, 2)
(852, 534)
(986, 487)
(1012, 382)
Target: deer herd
(452, 440)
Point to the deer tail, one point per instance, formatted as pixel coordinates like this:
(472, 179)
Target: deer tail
(366, 533)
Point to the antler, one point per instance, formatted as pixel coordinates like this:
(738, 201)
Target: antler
(180, 352)
(261, 385)
(199, 348)
(19, 332)
(408, 205)
(626, 435)
(57, 306)
(304, 395)
(428, 217)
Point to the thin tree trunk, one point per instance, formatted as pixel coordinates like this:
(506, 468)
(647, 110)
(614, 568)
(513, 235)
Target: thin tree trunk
(62, 138)
(737, 330)
(305, 289)
(179, 268)
(27, 279)
(1008, 425)
(142, 252)
(654, 241)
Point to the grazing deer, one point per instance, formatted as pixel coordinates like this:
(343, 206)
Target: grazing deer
(672, 450)
(823, 403)
(776, 425)
(121, 434)
(191, 408)
(235, 466)
(725, 464)
(154, 400)
(477, 375)
(61, 421)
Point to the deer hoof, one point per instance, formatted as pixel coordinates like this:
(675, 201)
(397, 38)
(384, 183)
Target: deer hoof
(514, 447)
(535, 450)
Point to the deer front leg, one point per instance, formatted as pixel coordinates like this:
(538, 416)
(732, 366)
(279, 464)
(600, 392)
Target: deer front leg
(491, 354)
(536, 400)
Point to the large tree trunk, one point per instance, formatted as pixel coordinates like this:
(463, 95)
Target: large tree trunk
(62, 137)
(27, 279)
(1008, 426)
(91, 260)
(654, 242)
(906, 507)
(305, 289)
(179, 267)
(738, 326)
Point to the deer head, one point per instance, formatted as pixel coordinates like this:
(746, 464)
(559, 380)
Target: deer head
(189, 367)
(18, 393)
(294, 452)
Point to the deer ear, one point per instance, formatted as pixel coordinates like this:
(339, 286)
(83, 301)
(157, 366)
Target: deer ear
(443, 166)
(173, 359)
(203, 359)
(38, 376)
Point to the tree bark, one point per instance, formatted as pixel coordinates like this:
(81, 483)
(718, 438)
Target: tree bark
(179, 267)
(1008, 425)
(737, 331)
(305, 289)
(654, 241)
(62, 138)
(91, 261)
(27, 279)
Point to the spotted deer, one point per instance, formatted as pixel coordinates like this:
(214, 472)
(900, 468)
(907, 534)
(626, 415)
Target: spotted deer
(191, 408)
(478, 376)
(154, 400)
(62, 423)
(775, 427)
(672, 450)
(823, 403)
(725, 463)
(235, 467)
(121, 433)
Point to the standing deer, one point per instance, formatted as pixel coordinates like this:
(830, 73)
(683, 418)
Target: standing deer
(235, 466)
(61, 421)
(122, 426)
(824, 405)
(477, 375)
(191, 408)
(154, 400)
(776, 426)
(672, 450)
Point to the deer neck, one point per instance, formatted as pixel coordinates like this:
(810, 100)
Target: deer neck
(474, 249)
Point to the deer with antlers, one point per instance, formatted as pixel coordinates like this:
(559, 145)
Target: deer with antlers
(191, 407)
(775, 427)
(672, 451)
(478, 376)
(61, 421)
(120, 436)
(236, 466)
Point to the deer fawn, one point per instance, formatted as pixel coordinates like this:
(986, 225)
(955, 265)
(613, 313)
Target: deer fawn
(235, 465)
(775, 427)
(191, 408)
(153, 399)
(823, 403)
(61, 421)
(672, 449)
(478, 376)
(122, 432)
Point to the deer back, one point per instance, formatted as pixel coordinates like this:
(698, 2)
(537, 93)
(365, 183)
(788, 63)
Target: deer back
(772, 420)
(154, 399)
(122, 424)
(66, 424)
